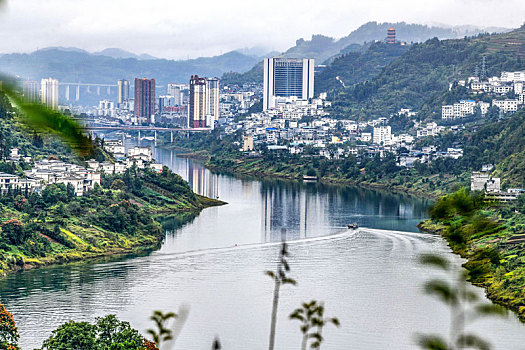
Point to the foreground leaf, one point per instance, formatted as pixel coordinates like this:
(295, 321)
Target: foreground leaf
(433, 342)
(43, 119)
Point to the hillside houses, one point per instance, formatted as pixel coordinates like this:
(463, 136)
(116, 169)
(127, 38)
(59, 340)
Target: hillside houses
(58, 172)
(496, 87)
(463, 109)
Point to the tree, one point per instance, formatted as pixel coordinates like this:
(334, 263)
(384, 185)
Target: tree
(72, 335)
(113, 334)
(118, 184)
(312, 315)
(279, 277)
(8, 332)
(13, 231)
(320, 321)
(108, 333)
(70, 191)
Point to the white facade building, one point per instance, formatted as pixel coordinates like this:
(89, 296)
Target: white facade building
(513, 76)
(287, 77)
(382, 135)
(506, 105)
(49, 92)
(463, 109)
(106, 108)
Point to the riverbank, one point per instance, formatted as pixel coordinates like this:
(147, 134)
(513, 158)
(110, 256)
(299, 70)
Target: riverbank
(123, 216)
(259, 168)
(490, 238)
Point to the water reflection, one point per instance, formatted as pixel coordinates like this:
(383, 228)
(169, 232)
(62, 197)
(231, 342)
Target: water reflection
(201, 180)
(313, 209)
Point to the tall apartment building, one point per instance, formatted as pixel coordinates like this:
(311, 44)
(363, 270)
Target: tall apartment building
(49, 92)
(31, 90)
(197, 105)
(382, 135)
(144, 108)
(203, 108)
(287, 77)
(123, 91)
(177, 91)
(212, 101)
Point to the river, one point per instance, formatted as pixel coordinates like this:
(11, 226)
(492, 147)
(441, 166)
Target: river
(215, 263)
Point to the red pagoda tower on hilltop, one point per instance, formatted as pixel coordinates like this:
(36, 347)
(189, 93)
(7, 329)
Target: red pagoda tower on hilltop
(391, 36)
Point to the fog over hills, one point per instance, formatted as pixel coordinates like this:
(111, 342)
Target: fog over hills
(107, 66)
(77, 65)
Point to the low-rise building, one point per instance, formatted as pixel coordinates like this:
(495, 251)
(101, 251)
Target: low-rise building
(508, 105)
(143, 153)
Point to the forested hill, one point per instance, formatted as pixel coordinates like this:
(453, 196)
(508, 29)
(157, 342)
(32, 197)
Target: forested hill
(424, 72)
(122, 215)
(324, 48)
(354, 67)
(501, 144)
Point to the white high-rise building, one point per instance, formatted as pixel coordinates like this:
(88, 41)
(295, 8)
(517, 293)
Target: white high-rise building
(31, 90)
(106, 108)
(382, 135)
(287, 77)
(176, 90)
(203, 108)
(49, 92)
(123, 91)
(212, 101)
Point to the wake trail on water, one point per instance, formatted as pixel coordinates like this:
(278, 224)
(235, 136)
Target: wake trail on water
(397, 237)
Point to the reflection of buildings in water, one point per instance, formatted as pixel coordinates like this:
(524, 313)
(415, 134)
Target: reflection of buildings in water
(202, 181)
(406, 210)
(296, 210)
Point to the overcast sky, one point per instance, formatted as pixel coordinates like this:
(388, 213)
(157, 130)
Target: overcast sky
(183, 29)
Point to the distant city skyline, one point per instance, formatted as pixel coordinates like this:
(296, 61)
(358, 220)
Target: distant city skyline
(173, 30)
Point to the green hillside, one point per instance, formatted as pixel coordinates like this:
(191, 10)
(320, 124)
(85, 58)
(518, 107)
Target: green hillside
(423, 73)
(355, 67)
(54, 226)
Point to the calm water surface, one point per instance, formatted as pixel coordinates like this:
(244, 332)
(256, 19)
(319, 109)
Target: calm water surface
(214, 265)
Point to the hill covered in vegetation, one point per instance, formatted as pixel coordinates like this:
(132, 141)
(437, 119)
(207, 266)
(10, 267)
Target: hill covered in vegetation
(357, 66)
(420, 77)
(122, 215)
(324, 49)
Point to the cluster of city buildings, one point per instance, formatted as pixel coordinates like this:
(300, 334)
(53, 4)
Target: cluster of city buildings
(194, 105)
(497, 87)
(288, 128)
(139, 156)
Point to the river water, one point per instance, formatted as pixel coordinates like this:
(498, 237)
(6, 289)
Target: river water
(214, 264)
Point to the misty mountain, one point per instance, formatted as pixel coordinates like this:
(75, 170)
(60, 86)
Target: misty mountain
(323, 47)
(69, 65)
(119, 53)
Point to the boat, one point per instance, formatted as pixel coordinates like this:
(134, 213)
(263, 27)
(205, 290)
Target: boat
(352, 226)
(309, 178)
